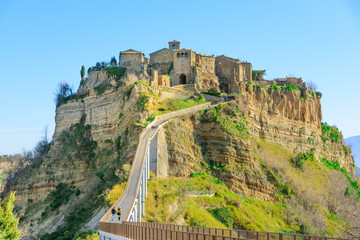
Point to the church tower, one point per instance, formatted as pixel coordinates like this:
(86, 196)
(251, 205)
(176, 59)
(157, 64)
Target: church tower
(174, 45)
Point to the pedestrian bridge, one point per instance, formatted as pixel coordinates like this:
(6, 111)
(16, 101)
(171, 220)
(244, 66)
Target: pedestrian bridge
(132, 203)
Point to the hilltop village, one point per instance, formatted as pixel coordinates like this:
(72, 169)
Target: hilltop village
(174, 66)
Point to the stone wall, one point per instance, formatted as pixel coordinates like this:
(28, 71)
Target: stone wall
(133, 60)
(164, 55)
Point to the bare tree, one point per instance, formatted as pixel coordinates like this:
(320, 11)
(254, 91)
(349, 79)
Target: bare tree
(311, 86)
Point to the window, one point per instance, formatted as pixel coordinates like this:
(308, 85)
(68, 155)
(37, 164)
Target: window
(186, 55)
(122, 61)
(182, 62)
(159, 61)
(137, 55)
(122, 55)
(182, 55)
(205, 66)
(142, 65)
(178, 55)
(205, 59)
(164, 54)
(174, 47)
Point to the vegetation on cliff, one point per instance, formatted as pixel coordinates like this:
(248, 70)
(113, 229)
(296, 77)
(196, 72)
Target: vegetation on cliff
(8, 221)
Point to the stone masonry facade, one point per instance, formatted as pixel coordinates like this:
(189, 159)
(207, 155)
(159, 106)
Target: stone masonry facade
(174, 66)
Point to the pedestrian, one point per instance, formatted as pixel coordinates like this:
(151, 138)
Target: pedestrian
(113, 212)
(119, 213)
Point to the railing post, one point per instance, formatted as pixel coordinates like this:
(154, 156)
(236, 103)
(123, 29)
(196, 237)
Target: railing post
(139, 203)
(143, 192)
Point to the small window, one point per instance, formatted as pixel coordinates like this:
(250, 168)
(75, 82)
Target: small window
(122, 55)
(205, 66)
(142, 65)
(122, 61)
(164, 54)
(137, 55)
(182, 62)
(186, 55)
(205, 59)
(178, 55)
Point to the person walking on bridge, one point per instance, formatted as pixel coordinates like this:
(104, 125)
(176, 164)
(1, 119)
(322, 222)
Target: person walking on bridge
(113, 212)
(119, 213)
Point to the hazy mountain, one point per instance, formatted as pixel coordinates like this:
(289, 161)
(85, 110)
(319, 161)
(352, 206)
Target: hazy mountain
(354, 142)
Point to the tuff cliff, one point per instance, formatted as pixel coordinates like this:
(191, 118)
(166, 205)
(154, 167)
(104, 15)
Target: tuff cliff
(97, 133)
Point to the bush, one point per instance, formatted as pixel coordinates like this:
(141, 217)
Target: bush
(290, 87)
(274, 87)
(60, 195)
(331, 133)
(300, 158)
(223, 215)
(115, 72)
(100, 89)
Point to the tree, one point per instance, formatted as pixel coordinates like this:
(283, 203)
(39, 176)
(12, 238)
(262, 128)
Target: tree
(311, 86)
(64, 90)
(113, 61)
(82, 72)
(8, 221)
(42, 147)
(258, 74)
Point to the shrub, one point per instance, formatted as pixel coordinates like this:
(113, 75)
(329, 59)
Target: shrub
(290, 87)
(223, 215)
(274, 87)
(100, 89)
(115, 72)
(300, 158)
(331, 133)
(60, 195)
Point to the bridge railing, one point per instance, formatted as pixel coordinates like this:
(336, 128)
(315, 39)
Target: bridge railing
(233, 233)
(130, 230)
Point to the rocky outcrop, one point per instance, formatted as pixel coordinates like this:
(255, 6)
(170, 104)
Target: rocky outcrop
(290, 118)
(200, 142)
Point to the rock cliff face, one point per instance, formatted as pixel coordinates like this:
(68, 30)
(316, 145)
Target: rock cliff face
(291, 119)
(94, 136)
(285, 117)
(9, 166)
(96, 133)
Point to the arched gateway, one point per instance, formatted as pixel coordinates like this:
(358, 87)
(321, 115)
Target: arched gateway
(182, 79)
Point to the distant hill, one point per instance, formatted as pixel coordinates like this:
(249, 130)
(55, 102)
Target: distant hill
(355, 146)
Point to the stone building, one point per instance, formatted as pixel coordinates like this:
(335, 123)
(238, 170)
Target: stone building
(133, 60)
(231, 72)
(188, 67)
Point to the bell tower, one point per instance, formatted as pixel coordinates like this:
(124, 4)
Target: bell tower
(174, 45)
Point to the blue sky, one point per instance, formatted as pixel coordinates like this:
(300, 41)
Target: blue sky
(43, 43)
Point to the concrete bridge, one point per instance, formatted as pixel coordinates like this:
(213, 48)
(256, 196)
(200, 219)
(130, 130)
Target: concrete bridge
(132, 202)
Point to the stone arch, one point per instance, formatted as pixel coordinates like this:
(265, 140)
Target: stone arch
(182, 79)
(178, 55)
(174, 47)
(186, 55)
(182, 55)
